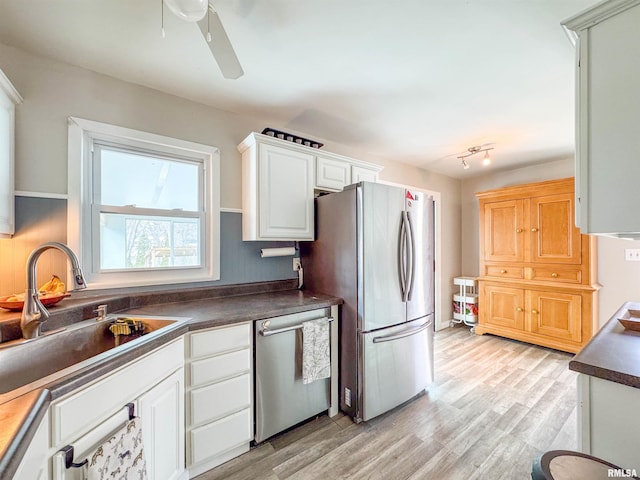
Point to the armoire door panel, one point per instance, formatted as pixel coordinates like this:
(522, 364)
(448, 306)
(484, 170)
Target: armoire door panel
(504, 231)
(554, 238)
(556, 315)
(504, 307)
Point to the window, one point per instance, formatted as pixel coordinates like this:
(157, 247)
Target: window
(143, 209)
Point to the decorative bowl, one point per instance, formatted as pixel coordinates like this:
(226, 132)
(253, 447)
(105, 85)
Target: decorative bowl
(47, 300)
(631, 320)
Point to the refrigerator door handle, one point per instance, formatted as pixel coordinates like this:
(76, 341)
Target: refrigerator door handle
(406, 333)
(412, 257)
(402, 245)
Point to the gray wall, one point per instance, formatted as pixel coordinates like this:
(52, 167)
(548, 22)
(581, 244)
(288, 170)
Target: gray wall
(620, 280)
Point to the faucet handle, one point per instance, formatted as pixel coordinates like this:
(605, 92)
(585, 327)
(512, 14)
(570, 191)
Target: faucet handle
(101, 310)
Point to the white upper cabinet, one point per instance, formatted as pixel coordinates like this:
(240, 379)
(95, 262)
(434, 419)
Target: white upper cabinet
(607, 117)
(363, 174)
(277, 191)
(332, 174)
(9, 98)
(278, 183)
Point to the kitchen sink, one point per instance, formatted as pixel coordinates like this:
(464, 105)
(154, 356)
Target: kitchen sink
(26, 361)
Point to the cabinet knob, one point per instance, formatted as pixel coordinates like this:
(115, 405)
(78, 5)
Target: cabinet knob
(518, 230)
(535, 312)
(554, 275)
(503, 271)
(519, 309)
(534, 229)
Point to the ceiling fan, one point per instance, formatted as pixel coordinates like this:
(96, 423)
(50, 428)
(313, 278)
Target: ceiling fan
(202, 12)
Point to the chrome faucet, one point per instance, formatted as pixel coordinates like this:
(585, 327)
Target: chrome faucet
(33, 312)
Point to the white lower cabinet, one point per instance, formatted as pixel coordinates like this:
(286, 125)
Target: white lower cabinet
(35, 463)
(608, 428)
(161, 410)
(87, 417)
(219, 396)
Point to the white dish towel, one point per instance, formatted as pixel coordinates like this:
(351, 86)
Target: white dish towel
(316, 359)
(120, 457)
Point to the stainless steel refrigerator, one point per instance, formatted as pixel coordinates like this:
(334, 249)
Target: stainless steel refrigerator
(374, 248)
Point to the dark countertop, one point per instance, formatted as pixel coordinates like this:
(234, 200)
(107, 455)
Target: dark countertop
(20, 414)
(613, 354)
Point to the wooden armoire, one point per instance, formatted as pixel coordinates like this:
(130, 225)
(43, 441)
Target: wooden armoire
(537, 278)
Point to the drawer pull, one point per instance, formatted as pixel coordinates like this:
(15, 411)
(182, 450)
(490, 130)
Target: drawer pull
(535, 312)
(554, 275)
(519, 309)
(534, 229)
(503, 271)
(518, 230)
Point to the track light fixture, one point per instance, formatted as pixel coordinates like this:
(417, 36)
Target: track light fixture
(472, 151)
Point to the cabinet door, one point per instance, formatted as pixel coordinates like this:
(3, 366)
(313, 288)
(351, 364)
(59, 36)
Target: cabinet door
(34, 464)
(605, 427)
(162, 412)
(9, 97)
(554, 238)
(362, 174)
(554, 314)
(285, 186)
(504, 223)
(608, 115)
(332, 174)
(502, 307)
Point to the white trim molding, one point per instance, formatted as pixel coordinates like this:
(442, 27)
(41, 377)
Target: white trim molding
(82, 134)
(598, 13)
(25, 193)
(8, 88)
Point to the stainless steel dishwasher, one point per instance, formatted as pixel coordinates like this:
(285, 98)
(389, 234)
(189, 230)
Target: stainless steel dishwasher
(281, 399)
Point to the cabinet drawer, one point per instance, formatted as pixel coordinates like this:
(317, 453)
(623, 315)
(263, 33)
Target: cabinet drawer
(503, 271)
(214, 401)
(218, 437)
(220, 340)
(557, 274)
(82, 411)
(220, 367)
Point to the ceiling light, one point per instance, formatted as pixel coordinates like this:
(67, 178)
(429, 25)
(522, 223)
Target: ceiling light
(472, 151)
(188, 10)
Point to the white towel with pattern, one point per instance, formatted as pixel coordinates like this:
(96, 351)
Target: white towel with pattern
(316, 358)
(121, 457)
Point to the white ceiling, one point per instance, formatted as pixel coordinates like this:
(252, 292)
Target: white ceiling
(412, 80)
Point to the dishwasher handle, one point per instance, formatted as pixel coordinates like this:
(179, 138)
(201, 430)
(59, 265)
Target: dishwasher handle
(267, 333)
(406, 333)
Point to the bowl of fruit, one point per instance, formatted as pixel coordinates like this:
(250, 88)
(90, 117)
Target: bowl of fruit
(49, 294)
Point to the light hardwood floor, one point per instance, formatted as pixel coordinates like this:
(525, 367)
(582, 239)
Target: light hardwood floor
(495, 405)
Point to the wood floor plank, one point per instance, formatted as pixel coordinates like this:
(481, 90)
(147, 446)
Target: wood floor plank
(495, 405)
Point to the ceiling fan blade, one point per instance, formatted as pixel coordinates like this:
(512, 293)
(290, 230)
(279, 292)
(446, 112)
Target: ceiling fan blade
(220, 46)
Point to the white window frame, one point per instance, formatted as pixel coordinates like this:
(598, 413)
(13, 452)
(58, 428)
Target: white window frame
(80, 231)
